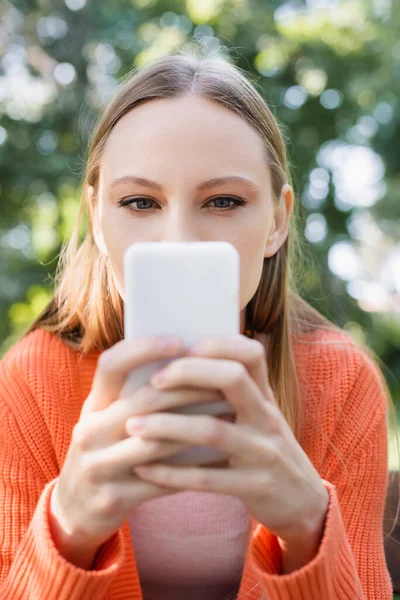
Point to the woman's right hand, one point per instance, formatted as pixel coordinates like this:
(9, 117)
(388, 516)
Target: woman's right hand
(97, 488)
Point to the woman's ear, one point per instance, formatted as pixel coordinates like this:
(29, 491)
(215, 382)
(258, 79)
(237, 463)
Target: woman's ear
(94, 212)
(280, 223)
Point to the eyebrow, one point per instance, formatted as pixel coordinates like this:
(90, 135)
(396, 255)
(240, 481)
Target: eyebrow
(206, 185)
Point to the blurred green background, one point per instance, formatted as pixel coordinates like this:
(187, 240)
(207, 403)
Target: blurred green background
(330, 72)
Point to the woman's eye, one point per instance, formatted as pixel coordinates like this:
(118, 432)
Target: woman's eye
(129, 202)
(236, 201)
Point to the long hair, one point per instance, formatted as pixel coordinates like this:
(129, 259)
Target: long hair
(86, 310)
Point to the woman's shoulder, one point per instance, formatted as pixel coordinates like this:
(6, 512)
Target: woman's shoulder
(342, 373)
(38, 371)
(36, 352)
(333, 350)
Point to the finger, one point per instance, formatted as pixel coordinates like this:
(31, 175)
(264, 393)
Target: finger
(251, 353)
(115, 364)
(107, 427)
(230, 377)
(237, 441)
(117, 461)
(131, 492)
(240, 482)
(149, 400)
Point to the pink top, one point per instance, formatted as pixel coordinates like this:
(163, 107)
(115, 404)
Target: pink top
(190, 544)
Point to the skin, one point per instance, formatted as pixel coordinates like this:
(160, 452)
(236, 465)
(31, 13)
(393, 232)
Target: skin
(181, 143)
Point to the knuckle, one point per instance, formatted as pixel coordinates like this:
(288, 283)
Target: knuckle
(273, 453)
(258, 351)
(153, 449)
(212, 430)
(239, 374)
(272, 419)
(265, 482)
(81, 435)
(106, 361)
(149, 450)
(273, 428)
(275, 449)
(89, 468)
(203, 480)
(108, 502)
(118, 411)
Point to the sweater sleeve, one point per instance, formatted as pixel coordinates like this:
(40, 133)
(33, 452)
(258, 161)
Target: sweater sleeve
(350, 563)
(30, 565)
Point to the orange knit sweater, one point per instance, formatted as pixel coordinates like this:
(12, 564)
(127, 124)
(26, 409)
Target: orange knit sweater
(43, 384)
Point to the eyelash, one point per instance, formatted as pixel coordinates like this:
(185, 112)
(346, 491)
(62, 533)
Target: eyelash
(128, 201)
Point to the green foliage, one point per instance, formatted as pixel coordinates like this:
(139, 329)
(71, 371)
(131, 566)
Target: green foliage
(327, 74)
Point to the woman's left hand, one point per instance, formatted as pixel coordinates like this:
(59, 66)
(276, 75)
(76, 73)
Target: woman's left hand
(268, 469)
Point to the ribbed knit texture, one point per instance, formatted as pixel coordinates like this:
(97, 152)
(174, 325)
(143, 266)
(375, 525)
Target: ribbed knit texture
(190, 544)
(43, 384)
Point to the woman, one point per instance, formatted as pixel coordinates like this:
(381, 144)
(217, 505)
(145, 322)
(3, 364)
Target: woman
(189, 151)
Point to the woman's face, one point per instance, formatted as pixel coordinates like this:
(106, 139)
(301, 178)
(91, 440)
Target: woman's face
(181, 149)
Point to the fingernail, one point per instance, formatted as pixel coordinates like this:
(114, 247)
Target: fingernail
(135, 423)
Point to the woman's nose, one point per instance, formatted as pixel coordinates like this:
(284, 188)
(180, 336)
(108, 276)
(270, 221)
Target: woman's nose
(180, 228)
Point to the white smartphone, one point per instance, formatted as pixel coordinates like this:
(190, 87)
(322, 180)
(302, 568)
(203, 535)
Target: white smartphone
(187, 289)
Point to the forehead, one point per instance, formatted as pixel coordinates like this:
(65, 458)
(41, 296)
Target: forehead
(190, 134)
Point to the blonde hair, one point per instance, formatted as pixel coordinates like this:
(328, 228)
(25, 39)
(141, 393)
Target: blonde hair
(86, 310)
